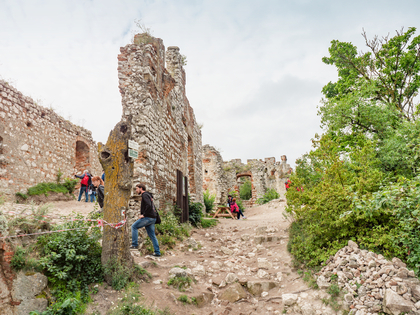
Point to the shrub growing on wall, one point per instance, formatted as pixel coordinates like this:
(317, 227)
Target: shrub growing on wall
(208, 200)
(245, 191)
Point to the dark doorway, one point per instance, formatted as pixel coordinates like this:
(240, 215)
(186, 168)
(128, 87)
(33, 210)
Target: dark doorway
(182, 195)
(82, 156)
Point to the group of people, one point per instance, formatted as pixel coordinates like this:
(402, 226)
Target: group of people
(234, 208)
(92, 186)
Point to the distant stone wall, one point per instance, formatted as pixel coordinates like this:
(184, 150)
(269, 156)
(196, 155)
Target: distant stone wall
(35, 143)
(221, 177)
(163, 122)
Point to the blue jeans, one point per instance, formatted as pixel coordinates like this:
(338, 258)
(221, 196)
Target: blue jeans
(149, 225)
(83, 189)
(93, 196)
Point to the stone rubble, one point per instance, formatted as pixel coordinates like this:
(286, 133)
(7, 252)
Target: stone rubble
(373, 283)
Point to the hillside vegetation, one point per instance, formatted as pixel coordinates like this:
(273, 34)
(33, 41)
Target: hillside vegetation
(361, 180)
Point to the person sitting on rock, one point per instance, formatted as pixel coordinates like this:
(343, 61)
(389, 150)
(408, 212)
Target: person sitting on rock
(99, 184)
(234, 208)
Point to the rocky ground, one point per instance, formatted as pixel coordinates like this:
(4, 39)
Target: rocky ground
(240, 267)
(243, 267)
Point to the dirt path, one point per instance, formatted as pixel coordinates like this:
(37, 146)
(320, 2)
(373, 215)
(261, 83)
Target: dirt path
(233, 247)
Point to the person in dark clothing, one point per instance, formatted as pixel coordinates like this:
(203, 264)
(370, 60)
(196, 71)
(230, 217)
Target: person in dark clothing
(99, 185)
(147, 220)
(84, 184)
(229, 201)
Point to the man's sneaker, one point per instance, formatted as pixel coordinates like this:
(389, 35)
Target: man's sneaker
(156, 255)
(134, 247)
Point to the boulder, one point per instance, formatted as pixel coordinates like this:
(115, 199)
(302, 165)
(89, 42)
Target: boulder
(289, 299)
(25, 289)
(203, 299)
(226, 250)
(245, 237)
(263, 263)
(396, 304)
(233, 293)
(352, 244)
(231, 278)
(180, 272)
(30, 305)
(322, 282)
(258, 287)
(199, 271)
(263, 274)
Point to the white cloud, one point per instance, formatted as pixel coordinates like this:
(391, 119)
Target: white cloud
(254, 73)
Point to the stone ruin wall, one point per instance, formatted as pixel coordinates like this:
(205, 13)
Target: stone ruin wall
(163, 122)
(221, 177)
(35, 143)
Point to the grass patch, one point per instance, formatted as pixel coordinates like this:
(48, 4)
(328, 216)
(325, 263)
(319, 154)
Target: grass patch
(121, 275)
(180, 283)
(208, 223)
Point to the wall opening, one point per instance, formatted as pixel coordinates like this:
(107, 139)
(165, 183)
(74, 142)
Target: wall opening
(82, 156)
(191, 162)
(1, 145)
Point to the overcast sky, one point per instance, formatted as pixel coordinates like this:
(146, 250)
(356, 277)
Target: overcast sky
(254, 69)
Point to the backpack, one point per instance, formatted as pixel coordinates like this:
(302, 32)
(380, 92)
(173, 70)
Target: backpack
(85, 180)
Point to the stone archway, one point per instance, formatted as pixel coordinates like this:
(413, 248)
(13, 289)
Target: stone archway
(82, 156)
(247, 203)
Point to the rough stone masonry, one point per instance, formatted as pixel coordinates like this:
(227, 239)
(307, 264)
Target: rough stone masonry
(220, 177)
(162, 120)
(35, 143)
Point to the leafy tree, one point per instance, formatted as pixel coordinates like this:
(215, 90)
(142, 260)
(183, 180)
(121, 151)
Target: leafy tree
(245, 191)
(387, 76)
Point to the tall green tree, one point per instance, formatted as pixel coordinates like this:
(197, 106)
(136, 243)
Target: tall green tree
(376, 94)
(373, 87)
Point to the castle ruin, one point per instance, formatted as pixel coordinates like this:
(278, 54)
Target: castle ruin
(35, 143)
(220, 177)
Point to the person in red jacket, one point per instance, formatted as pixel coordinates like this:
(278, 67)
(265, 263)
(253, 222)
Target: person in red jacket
(234, 208)
(287, 184)
(84, 184)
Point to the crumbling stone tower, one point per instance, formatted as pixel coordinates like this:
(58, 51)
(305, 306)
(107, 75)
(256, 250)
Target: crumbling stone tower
(162, 120)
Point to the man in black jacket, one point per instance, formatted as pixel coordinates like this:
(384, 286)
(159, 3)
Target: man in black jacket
(146, 219)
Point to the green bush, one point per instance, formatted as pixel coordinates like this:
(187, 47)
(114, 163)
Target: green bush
(70, 184)
(270, 194)
(21, 195)
(72, 259)
(208, 201)
(18, 260)
(245, 191)
(195, 212)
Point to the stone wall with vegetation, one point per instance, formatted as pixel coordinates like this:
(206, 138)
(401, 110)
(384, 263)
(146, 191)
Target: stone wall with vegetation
(35, 143)
(163, 122)
(221, 177)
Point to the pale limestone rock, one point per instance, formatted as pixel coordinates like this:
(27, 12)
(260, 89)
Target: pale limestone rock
(395, 304)
(262, 274)
(263, 263)
(226, 250)
(199, 271)
(230, 278)
(322, 282)
(233, 293)
(289, 299)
